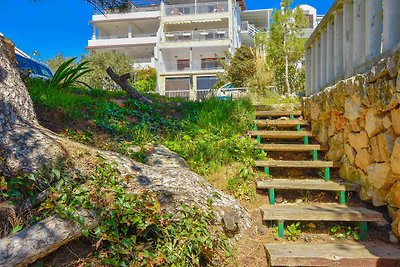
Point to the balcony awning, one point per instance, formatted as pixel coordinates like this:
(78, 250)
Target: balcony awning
(192, 21)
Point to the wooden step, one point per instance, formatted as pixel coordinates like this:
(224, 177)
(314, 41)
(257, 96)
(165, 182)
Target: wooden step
(290, 147)
(281, 134)
(338, 254)
(307, 184)
(280, 123)
(297, 163)
(319, 212)
(274, 113)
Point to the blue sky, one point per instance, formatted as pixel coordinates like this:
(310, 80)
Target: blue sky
(61, 26)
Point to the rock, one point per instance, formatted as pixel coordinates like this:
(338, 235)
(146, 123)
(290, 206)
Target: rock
(393, 212)
(355, 126)
(393, 239)
(387, 122)
(373, 123)
(396, 227)
(230, 219)
(315, 111)
(379, 175)
(320, 130)
(379, 197)
(299, 201)
(376, 156)
(395, 113)
(378, 71)
(350, 153)
(336, 147)
(348, 172)
(393, 197)
(392, 65)
(395, 158)
(261, 228)
(358, 140)
(307, 238)
(363, 159)
(279, 199)
(134, 149)
(353, 110)
(385, 143)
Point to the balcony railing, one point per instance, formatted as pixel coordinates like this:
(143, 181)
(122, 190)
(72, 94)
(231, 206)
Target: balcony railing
(132, 9)
(196, 65)
(191, 9)
(251, 29)
(190, 36)
(353, 36)
(126, 35)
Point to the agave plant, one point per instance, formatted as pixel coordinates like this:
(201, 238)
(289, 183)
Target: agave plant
(67, 75)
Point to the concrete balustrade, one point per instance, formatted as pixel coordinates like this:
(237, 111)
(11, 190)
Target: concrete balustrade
(353, 36)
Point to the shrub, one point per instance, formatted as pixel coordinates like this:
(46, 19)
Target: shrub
(99, 61)
(145, 80)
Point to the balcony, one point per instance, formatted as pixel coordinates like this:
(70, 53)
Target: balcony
(125, 39)
(132, 9)
(195, 65)
(191, 36)
(193, 9)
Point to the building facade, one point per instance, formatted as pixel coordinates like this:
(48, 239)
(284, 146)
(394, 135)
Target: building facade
(185, 40)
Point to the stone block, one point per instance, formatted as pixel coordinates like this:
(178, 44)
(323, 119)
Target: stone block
(336, 147)
(395, 157)
(363, 159)
(387, 121)
(315, 111)
(395, 114)
(373, 123)
(348, 172)
(353, 110)
(392, 65)
(379, 176)
(358, 140)
(378, 71)
(385, 143)
(393, 197)
(355, 126)
(350, 153)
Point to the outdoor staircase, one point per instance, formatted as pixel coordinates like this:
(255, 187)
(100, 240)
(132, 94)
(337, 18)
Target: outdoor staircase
(272, 133)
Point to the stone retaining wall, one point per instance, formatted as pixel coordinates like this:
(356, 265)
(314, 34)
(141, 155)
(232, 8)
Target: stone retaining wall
(359, 118)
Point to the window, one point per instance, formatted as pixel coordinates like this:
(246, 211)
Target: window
(183, 64)
(206, 82)
(310, 21)
(23, 63)
(177, 84)
(45, 71)
(210, 64)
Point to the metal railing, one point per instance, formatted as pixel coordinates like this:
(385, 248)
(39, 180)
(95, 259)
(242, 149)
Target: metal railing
(195, 65)
(201, 8)
(131, 9)
(190, 36)
(125, 35)
(185, 94)
(251, 29)
(352, 37)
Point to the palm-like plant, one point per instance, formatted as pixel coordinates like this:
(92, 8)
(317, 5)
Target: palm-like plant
(67, 74)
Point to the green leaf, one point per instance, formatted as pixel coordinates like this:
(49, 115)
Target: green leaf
(16, 229)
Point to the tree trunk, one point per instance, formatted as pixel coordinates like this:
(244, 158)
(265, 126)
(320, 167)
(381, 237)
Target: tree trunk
(123, 82)
(24, 144)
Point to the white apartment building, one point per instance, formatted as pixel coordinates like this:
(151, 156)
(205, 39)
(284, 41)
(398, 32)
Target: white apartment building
(183, 39)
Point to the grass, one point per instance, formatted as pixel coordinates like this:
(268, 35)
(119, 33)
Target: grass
(208, 134)
(274, 98)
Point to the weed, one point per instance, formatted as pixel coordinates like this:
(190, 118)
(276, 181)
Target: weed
(132, 231)
(293, 231)
(341, 231)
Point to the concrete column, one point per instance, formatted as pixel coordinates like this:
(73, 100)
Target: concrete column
(324, 55)
(359, 21)
(94, 29)
(313, 60)
(338, 45)
(373, 33)
(314, 68)
(308, 57)
(391, 24)
(129, 31)
(318, 65)
(330, 51)
(348, 37)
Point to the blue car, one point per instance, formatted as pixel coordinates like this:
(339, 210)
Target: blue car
(31, 67)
